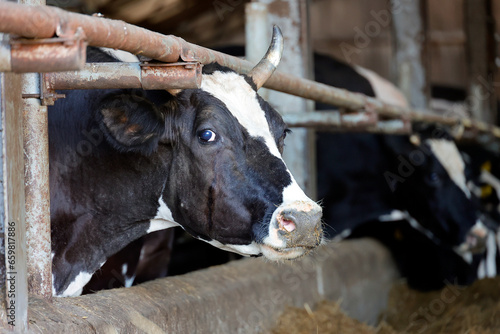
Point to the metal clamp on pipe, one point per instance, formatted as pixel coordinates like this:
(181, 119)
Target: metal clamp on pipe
(171, 75)
(43, 55)
(123, 76)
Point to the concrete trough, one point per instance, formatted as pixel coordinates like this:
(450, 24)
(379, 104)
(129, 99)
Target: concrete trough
(245, 296)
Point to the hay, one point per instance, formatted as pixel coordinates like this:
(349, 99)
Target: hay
(472, 310)
(327, 318)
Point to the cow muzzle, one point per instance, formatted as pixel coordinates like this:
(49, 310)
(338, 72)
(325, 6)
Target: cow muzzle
(295, 229)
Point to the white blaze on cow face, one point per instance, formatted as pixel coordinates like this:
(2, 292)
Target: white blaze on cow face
(242, 102)
(448, 155)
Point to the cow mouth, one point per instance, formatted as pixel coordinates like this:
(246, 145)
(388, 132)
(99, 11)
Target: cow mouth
(289, 253)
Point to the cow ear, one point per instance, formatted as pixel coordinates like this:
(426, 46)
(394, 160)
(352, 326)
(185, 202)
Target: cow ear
(131, 123)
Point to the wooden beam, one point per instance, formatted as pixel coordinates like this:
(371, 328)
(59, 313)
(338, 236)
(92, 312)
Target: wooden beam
(292, 17)
(409, 51)
(480, 46)
(15, 310)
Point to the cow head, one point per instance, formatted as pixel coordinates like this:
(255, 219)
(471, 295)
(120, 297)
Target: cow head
(430, 182)
(225, 180)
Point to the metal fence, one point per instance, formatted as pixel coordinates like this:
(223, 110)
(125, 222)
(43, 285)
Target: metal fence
(97, 31)
(48, 39)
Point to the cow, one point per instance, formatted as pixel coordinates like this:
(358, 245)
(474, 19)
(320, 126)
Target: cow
(410, 192)
(140, 261)
(483, 169)
(125, 163)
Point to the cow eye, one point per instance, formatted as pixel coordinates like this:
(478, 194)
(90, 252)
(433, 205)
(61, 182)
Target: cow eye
(206, 135)
(433, 179)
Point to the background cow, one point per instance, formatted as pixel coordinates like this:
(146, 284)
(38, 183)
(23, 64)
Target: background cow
(409, 192)
(483, 169)
(124, 163)
(412, 189)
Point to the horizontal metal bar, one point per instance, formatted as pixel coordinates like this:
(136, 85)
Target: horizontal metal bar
(44, 22)
(128, 75)
(43, 55)
(336, 121)
(171, 76)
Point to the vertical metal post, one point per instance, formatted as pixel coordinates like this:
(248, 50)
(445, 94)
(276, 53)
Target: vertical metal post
(36, 170)
(300, 154)
(480, 46)
(36, 148)
(15, 312)
(409, 42)
(257, 35)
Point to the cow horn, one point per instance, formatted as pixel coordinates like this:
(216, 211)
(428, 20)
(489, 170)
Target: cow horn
(265, 68)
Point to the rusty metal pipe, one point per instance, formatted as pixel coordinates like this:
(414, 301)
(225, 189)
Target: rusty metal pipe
(47, 55)
(36, 161)
(97, 76)
(43, 55)
(128, 75)
(45, 22)
(37, 194)
(171, 76)
(336, 121)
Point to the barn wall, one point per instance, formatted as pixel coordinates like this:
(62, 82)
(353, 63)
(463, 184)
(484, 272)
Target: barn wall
(350, 31)
(335, 23)
(447, 42)
(353, 30)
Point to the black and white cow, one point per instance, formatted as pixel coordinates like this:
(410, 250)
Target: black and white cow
(142, 260)
(409, 192)
(483, 168)
(124, 163)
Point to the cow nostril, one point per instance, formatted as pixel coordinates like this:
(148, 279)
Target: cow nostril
(286, 223)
